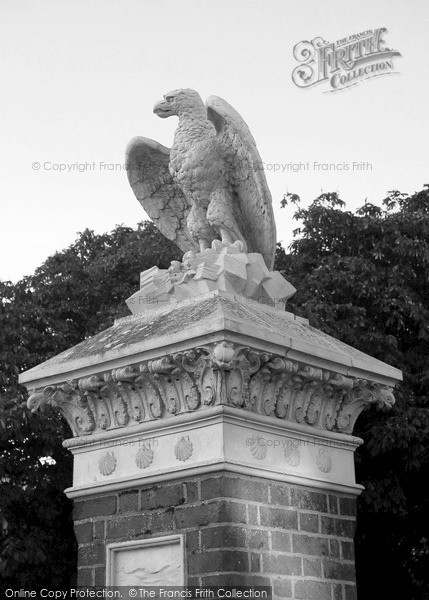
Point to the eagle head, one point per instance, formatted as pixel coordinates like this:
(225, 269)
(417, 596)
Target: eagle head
(179, 102)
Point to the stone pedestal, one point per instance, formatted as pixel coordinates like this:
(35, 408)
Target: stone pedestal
(213, 442)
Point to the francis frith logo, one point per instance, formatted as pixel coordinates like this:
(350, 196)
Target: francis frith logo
(344, 63)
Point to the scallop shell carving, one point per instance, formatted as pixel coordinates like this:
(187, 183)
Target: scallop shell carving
(292, 455)
(324, 461)
(258, 449)
(183, 448)
(144, 457)
(107, 463)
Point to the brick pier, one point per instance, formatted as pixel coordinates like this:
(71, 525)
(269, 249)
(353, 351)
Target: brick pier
(238, 531)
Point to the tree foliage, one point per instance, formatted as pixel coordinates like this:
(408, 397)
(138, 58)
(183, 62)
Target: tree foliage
(73, 295)
(364, 279)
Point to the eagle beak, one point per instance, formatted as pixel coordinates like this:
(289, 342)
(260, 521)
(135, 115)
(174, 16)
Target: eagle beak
(163, 109)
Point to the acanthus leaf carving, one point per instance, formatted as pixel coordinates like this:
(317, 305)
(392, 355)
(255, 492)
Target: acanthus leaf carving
(73, 406)
(196, 365)
(217, 373)
(283, 399)
(99, 407)
(132, 399)
(184, 374)
(315, 406)
(111, 393)
(303, 399)
(359, 397)
(149, 393)
(333, 399)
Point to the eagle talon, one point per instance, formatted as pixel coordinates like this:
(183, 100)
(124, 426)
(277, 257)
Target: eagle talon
(217, 245)
(239, 245)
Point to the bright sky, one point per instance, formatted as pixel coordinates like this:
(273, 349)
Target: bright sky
(80, 78)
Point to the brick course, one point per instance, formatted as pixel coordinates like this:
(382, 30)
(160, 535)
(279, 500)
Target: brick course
(238, 531)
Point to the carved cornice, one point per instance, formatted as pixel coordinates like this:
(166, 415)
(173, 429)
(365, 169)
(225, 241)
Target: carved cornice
(215, 374)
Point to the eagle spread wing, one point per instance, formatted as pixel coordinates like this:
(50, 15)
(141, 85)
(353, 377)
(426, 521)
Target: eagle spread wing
(147, 169)
(246, 176)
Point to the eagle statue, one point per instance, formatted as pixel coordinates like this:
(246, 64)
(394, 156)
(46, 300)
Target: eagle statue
(210, 185)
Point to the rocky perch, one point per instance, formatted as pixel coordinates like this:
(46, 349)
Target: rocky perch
(224, 267)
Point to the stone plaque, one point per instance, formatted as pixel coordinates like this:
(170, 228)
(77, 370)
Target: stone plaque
(152, 562)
